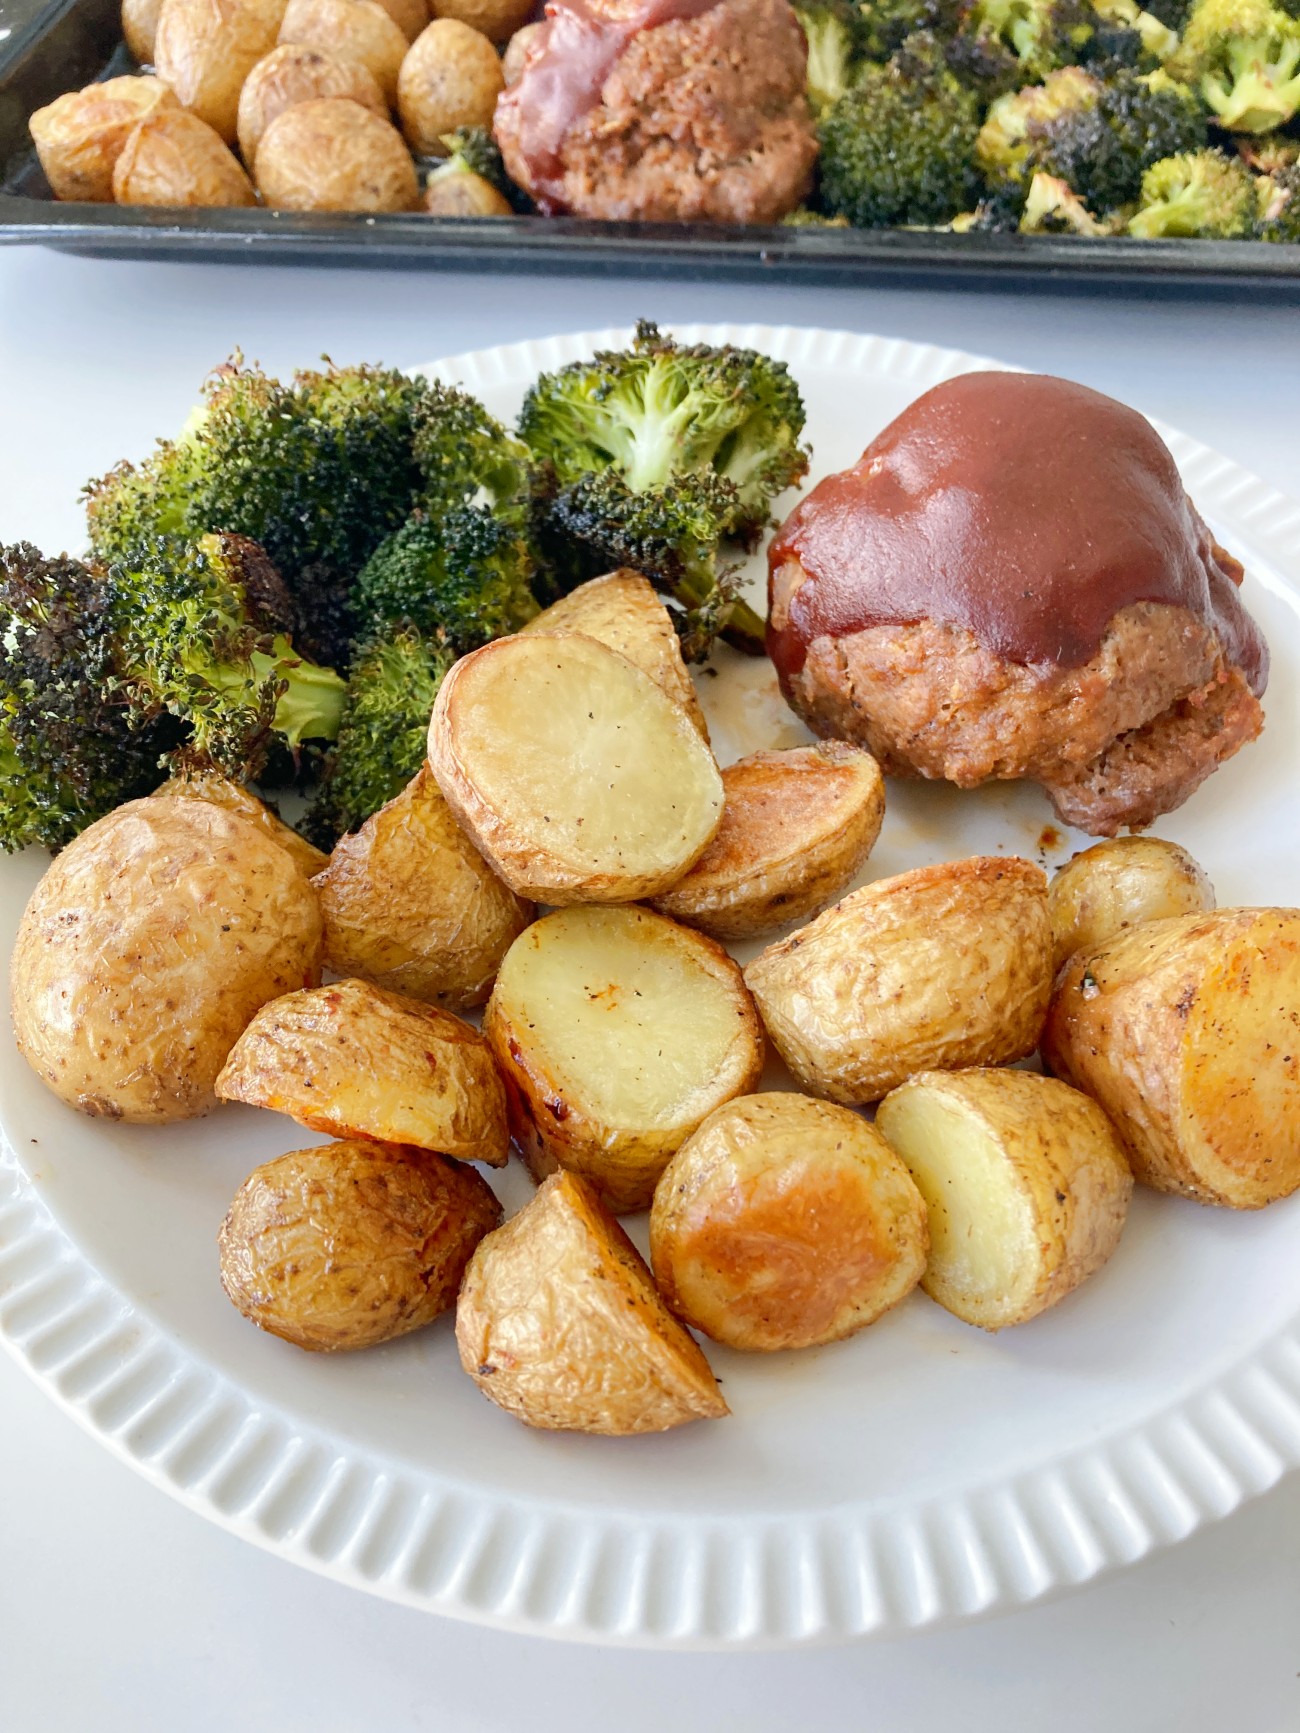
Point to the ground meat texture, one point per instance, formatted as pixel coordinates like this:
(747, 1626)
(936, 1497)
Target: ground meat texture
(699, 119)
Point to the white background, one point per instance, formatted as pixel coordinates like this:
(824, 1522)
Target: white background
(119, 1611)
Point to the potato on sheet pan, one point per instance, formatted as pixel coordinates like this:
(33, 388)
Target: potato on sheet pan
(79, 137)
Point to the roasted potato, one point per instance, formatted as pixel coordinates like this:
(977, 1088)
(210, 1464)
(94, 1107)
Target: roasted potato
(622, 610)
(617, 1031)
(410, 16)
(575, 775)
(463, 194)
(784, 1222)
(559, 1323)
(411, 904)
(512, 61)
(1187, 1031)
(356, 1061)
(358, 30)
(145, 949)
(451, 77)
(79, 137)
(937, 969)
(333, 155)
(1024, 1181)
(1122, 883)
(796, 827)
(293, 73)
(353, 1243)
(211, 785)
(140, 28)
(205, 49)
(174, 158)
(498, 20)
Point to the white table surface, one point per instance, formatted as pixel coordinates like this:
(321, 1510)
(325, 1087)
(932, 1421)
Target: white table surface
(121, 1612)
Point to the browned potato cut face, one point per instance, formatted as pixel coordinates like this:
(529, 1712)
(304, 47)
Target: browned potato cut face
(785, 1222)
(575, 775)
(145, 950)
(353, 1243)
(559, 1323)
(205, 49)
(451, 77)
(79, 137)
(174, 159)
(356, 1061)
(1187, 1031)
(234, 797)
(1025, 1184)
(796, 829)
(499, 20)
(293, 73)
(331, 154)
(358, 30)
(140, 27)
(411, 904)
(1122, 883)
(617, 1031)
(938, 969)
(463, 194)
(622, 610)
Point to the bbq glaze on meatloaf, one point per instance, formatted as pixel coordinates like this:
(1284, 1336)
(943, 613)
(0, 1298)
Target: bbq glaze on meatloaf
(662, 111)
(1012, 583)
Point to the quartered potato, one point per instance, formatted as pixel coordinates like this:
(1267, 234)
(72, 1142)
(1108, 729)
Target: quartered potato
(294, 73)
(560, 1324)
(79, 137)
(174, 158)
(205, 49)
(796, 828)
(937, 969)
(351, 1244)
(785, 1222)
(359, 30)
(1187, 1031)
(451, 77)
(622, 610)
(356, 1061)
(575, 775)
(617, 1031)
(145, 950)
(411, 904)
(1122, 883)
(1024, 1181)
(331, 154)
(211, 785)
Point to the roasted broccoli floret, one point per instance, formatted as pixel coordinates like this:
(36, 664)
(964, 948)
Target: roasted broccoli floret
(1014, 126)
(803, 218)
(898, 148)
(383, 734)
(463, 573)
(1041, 34)
(1102, 151)
(1280, 204)
(474, 149)
(998, 213)
(835, 33)
(1156, 37)
(465, 457)
(1203, 193)
(68, 750)
(1054, 208)
(1244, 58)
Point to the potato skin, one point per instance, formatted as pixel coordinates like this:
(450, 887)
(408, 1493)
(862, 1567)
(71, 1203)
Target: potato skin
(79, 137)
(451, 77)
(212, 786)
(559, 1323)
(358, 30)
(352, 1244)
(1063, 1160)
(331, 154)
(938, 969)
(174, 158)
(146, 948)
(516, 51)
(205, 49)
(796, 828)
(464, 194)
(292, 73)
(410, 16)
(498, 20)
(556, 1117)
(785, 1222)
(355, 1061)
(1187, 1031)
(411, 904)
(1120, 883)
(140, 28)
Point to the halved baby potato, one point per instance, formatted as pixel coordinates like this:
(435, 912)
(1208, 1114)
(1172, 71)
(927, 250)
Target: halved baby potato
(622, 610)
(1187, 1031)
(937, 969)
(560, 1324)
(1122, 883)
(785, 1222)
(1025, 1184)
(211, 785)
(576, 776)
(353, 1243)
(796, 828)
(356, 1061)
(79, 136)
(411, 904)
(617, 1031)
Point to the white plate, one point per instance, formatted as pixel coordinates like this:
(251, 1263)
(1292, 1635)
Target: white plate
(920, 1472)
